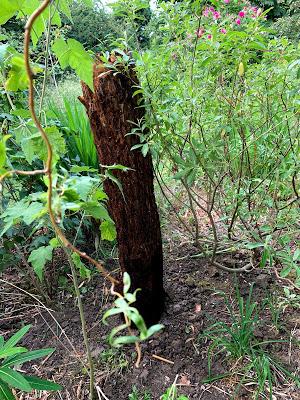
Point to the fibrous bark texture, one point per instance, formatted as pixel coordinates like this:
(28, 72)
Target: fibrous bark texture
(111, 109)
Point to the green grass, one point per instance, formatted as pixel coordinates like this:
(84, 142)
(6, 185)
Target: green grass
(236, 339)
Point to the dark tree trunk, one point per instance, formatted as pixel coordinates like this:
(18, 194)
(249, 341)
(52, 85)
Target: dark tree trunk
(110, 108)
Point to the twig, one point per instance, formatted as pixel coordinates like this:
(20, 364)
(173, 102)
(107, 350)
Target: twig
(100, 393)
(162, 359)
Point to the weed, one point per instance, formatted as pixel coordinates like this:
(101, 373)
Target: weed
(113, 360)
(237, 340)
(289, 299)
(275, 310)
(137, 395)
(172, 394)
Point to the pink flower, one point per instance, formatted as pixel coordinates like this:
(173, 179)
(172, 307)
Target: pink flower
(200, 32)
(259, 12)
(209, 36)
(238, 21)
(223, 30)
(206, 12)
(241, 14)
(211, 9)
(216, 15)
(226, 1)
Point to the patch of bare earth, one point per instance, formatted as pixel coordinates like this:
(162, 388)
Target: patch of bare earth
(177, 354)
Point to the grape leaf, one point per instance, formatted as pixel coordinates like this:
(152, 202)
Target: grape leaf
(108, 230)
(17, 76)
(9, 9)
(40, 24)
(72, 53)
(38, 259)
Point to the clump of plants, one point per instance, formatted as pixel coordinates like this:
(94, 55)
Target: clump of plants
(236, 340)
(12, 358)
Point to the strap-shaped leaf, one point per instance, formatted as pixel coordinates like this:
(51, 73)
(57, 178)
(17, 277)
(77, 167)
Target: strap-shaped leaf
(29, 356)
(5, 392)
(16, 337)
(152, 330)
(11, 351)
(42, 384)
(109, 313)
(14, 379)
(124, 340)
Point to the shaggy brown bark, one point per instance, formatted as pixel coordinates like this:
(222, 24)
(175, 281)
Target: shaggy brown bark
(110, 109)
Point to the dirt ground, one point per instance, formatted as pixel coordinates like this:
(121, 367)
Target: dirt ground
(193, 303)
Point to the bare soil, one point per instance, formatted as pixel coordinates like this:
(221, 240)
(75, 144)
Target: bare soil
(193, 303)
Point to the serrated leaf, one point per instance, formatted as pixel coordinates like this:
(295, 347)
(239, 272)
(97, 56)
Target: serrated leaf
(108, 230)
(72, 53)
(41, 21)
(21, 112)
(42, 384)
(56, 140)
(82, 185)
(32, 212)
(17, 76)
(64, 7)
(96, 210)
(5, 392)
(39, 257)
(14, 379)
(8, 9)
(84, 272)
(28, 356)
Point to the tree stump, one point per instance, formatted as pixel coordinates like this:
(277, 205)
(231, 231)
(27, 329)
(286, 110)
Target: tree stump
(111, 109)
